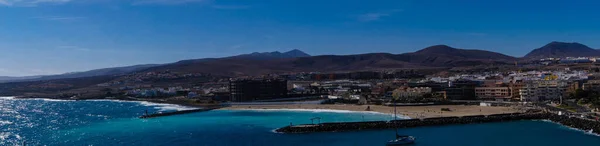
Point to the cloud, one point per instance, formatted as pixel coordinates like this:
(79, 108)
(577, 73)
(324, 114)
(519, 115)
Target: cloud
(374, 16)
(30, 2)
(477, 34)
(230, 7)
(4, 2)
(74, 48)
(166, 2)
(236, 46)
(59, 18)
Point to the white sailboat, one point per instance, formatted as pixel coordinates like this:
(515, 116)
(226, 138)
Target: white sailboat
(400, 139)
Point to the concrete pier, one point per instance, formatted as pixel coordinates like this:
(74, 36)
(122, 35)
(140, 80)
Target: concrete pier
(176, 113)
(579, 123)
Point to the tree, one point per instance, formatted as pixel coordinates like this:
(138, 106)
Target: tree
(346, 95)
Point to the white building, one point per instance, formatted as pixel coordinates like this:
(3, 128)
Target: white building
(543, 90)
(406, 92)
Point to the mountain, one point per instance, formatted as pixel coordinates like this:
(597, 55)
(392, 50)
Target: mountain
(128, 69)
(272, 55)
(298, 61)
(100, 72)
(446, 56)
(447, 51)
(562, 49)
(8, 79)
(91, 73)
(434, 56)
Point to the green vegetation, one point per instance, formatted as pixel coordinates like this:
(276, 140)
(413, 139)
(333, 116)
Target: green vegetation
(587, 97)
(567, 107)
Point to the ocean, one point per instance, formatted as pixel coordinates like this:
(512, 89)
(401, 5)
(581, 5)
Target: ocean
(107, 122)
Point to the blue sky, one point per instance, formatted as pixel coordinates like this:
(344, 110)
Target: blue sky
(57, 36)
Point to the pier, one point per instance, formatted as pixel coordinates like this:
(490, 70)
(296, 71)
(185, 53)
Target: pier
(145, 116)
(574, 122)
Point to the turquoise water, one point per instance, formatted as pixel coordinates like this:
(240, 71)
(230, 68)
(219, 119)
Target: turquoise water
(44, 122)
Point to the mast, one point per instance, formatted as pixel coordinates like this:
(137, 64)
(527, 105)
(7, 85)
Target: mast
(395, 126)
(395, 95)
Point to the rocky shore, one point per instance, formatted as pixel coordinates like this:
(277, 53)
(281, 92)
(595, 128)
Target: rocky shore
(573, 122)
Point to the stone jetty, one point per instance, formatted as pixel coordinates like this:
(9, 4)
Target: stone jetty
(579, 123)
(176, 113)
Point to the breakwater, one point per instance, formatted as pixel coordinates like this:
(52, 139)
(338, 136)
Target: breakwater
(176, 113)
(574, 122)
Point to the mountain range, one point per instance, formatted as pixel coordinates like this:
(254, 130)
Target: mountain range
(297, 61)
(435, 56)
(561, 49)
(295, 53)
(91, 73)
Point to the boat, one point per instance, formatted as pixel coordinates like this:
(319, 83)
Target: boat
(400, 139)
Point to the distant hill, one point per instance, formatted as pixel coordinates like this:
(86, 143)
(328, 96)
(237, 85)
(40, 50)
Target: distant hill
(272, 55)
(442, 55)
(8, 79)
(298, 61)
(562, 49)
(435, 56)
(91, 73)
(447, 51)
(100, 72)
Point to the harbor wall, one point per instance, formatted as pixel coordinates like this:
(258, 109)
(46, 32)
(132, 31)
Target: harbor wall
(176, 113)
(574, 122)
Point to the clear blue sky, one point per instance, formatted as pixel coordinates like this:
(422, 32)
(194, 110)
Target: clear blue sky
(57, 36)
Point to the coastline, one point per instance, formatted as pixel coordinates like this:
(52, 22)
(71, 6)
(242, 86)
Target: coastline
(399, 116)
(412, 112)
(404, 112)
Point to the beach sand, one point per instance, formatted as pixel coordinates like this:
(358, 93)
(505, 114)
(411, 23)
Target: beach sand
(410, 111)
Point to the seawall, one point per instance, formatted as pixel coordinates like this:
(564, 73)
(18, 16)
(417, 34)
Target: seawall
(578, 123)
(176, 113)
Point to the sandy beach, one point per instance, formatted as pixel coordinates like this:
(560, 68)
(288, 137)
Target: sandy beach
(410, 111)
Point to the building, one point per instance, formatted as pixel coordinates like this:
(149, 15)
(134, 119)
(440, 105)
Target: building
(515, 87)
(591, 85)
(411, 93)
(461, 90)
(493, 90)
(495, 93)
(244, 90)
(541, 90)
(528, 92)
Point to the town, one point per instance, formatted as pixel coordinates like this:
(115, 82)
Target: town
(563, 89)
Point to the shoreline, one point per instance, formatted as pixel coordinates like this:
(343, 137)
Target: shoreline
(404, 112)
(321, 110)
(412, 112)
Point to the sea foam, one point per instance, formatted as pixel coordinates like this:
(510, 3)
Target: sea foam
(328, 111)
(159, 106)
(7, 98)
(570, 128)
(2, 123)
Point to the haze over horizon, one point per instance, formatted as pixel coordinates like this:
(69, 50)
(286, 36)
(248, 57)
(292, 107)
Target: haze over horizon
(41, 37)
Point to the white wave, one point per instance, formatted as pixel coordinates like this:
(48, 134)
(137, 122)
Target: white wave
(100, 116)
(570, 128)
(2, 123)
(4, 135)
(159, 106)
(7, 98)
(328, 111)
(580, 130)
(47, 99)
(114, 100)
(166, 106)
